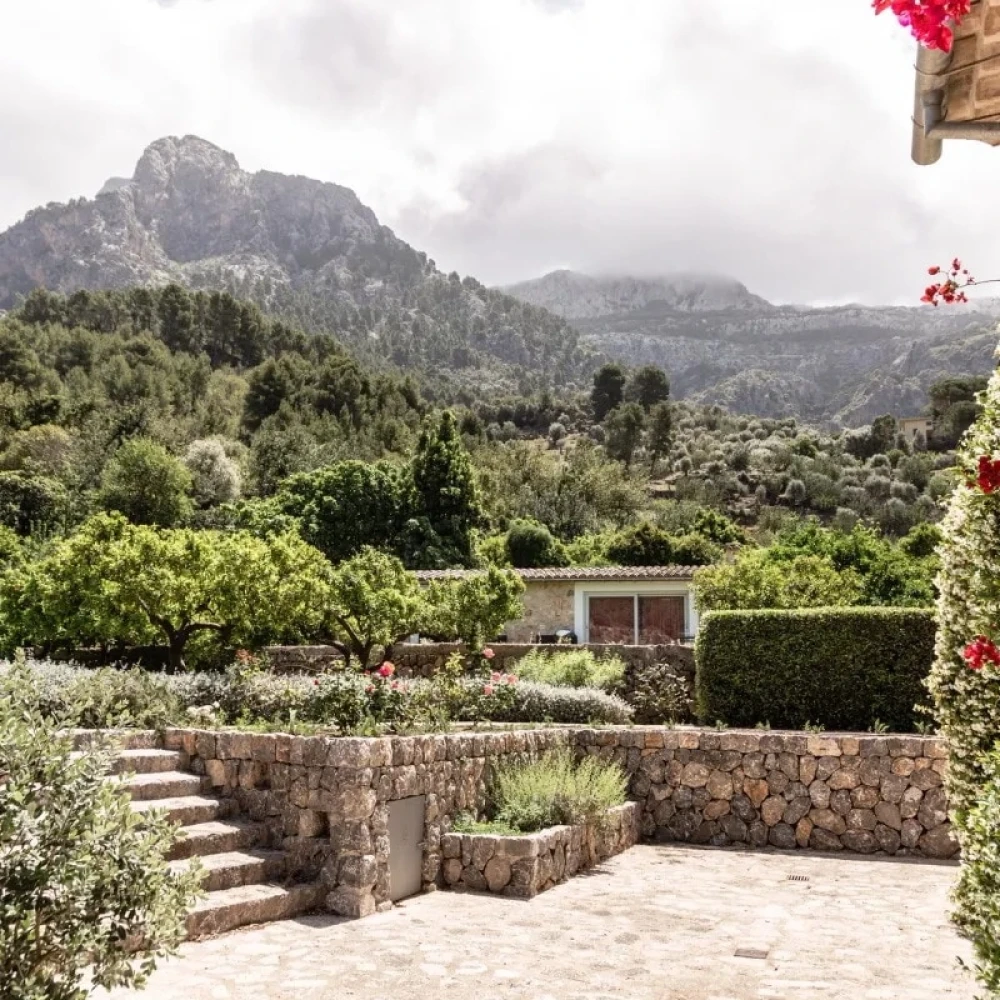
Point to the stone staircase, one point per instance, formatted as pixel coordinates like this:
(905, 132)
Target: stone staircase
(245, 883)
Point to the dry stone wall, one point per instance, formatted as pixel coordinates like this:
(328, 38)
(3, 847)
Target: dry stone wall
(865, 794)
(523, 866)
(326, 800)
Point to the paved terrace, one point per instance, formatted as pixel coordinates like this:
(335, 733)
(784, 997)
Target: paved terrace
(657, 923)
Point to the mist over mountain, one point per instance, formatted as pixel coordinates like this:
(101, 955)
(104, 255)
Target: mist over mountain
(723, 344)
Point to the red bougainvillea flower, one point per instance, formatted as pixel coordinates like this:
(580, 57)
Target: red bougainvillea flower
(988, 475)
(316, 682)
(488, 689)
(928, 20)
(488, 653)
(386, 670)
(981, 651)
(950, 290)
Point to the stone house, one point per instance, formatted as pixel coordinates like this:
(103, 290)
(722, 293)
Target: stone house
(627, 605)
(957, 93)
(910, 427)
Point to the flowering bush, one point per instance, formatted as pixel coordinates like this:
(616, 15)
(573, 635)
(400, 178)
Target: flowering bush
(965, 678)
(927, 19)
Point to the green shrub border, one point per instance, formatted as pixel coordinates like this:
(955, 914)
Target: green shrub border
(839, 668)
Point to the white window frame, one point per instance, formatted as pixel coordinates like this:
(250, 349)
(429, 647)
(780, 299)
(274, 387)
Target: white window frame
(583, 592)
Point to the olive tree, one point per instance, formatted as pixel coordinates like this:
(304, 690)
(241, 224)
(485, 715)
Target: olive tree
(117, 582)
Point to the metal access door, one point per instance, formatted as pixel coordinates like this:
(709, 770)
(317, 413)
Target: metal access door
(406, 847)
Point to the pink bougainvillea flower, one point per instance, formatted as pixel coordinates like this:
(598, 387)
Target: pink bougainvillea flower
(386, 670)
(988, 474)
(488, 689)
(496, 676)
(511, 678)
(929, 21)
(488, 653)
(981, 651)
(948, 291)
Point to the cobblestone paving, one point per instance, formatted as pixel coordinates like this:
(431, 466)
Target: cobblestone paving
(659, 922)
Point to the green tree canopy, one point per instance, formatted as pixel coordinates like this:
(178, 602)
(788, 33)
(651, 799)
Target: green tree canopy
(475, 608)
(608, 391)
(147, 484)
(529, 545)
(624, 427)
(648, 386)
(344, 507)
(116, 583)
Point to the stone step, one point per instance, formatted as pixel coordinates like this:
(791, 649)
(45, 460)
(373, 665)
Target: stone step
(234, 868)
(124, 739)
(228, 909)
(146, 761)
(186, 809)
(215, 837)
(165, 785)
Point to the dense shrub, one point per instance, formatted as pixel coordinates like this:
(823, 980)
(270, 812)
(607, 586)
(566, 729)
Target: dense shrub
(965, 680)
(572, 668)
(530, 544)
(553, 790)
(840, 668)
(84, 880)
(545, 703)
(345, 701)
(658, 694)
(977, 895)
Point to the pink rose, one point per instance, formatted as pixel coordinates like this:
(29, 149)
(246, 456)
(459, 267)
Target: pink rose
(488, 653)
(488, 690)
(386, 670)
(496, 677)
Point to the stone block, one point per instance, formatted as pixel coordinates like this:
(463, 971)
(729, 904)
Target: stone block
(695, 775)
(864, 797)
(911, 833)
(796, 809)
(346, 901)
(887, 813)
(893, 787)
(358, 871)
(756, 791)
(828, 820)
(777, 782)
(807, 769)
(452, 871)
(861, 819)
(939, 842)
(909, 804)
(825, 766)
(824, 840)
(844, 779)
(824, 746)
(716, 809)
(819, 793)
(720, 785)
(216, 772)
(888, 839)
(860, 841)
(933, 809)
(840, 802)
(310, 823)
(349, 803)
(803, 831)
(772, 810)
(782, 835)
(925, 779)
(233, 746)
(734, 829)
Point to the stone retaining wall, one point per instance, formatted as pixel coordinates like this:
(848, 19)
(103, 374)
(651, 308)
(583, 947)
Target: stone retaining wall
(865, 794)
(424, 659)
(526, 865)
(326, 800)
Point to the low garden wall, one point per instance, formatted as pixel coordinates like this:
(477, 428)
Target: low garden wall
(526, 865)
(423, 659)
(825, 792)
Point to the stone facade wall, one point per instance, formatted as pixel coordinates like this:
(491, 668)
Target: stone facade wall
(526, 865)
(326, 800)
(864, 794)
(548, 607)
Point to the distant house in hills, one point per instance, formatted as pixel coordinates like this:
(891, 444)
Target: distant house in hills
(626, 605)
(958, 92)
(910, 427)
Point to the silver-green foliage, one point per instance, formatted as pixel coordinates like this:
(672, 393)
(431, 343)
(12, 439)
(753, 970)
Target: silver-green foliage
(572, 668)
(556, 789)
(85, 887)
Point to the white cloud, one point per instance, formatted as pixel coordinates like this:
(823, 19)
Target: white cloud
(768, 141)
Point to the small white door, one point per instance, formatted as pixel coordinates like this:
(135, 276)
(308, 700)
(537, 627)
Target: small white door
(406, 847)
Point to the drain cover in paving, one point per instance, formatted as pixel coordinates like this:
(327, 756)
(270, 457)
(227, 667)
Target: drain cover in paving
(751, 952)
(798, 878)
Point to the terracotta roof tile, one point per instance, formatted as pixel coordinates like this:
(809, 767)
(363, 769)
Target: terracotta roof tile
(574, 574)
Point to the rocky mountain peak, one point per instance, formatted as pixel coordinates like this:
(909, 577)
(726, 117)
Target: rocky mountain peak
(579, 296)
(177, 162)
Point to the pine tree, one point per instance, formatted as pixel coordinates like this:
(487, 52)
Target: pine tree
(445, 487)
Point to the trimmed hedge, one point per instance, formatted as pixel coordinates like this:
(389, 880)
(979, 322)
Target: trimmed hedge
(841, 668)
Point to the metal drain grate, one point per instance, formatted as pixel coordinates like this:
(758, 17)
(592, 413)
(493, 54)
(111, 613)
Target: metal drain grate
(798, 878)
(758, 953)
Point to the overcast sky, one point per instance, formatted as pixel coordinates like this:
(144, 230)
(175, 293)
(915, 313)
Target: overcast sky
(766, 140)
